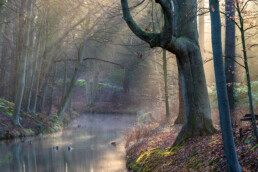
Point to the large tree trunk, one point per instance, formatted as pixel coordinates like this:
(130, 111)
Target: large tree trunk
(181, 112)
(180, 36)
(196, 105)
(224, 111)
(230, 52)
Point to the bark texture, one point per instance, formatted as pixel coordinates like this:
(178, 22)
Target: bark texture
(224, 111)
(180, 37)
(181, 113)
(230, 51)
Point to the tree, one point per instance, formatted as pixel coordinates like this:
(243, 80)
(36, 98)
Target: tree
(181, 116)
(74, 78)
(22, 66)
(180, 36)
(224, 111)
(165, 74)
(242, 31)
(230, 51)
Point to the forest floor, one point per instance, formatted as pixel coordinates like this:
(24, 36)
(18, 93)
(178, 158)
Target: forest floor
(32, 124)
(153, 153)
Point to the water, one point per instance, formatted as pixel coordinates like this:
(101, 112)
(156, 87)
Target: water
(92, 151)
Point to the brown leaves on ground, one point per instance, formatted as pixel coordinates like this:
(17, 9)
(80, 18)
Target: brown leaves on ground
(197, 154)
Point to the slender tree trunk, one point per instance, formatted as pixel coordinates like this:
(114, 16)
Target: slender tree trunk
(65, 79)
(230, 52)
(51, 92)
(3, 63)
(37, 73)
(201, 26)
(70, 108)
(247, 71)
(68, 93)
(181, 113)
(39, 69)
(12, 78)
(22, 69)
(34, 75)
(224, 111)
(42, 103)
(2, 48)
(95, 84)
(29, 72)
(165, 74)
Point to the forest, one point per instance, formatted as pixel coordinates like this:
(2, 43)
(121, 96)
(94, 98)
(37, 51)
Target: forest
(128, 85)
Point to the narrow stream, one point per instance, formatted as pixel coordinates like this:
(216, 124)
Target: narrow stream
(90, 137)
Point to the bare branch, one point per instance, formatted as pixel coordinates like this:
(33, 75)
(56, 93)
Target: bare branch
(154, 39)
(91, 58)
(167, 33)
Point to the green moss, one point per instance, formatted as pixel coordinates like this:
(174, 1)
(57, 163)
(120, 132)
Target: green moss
(41, 127)
(175, 149)
(17, 133)
(211, 161)
(254, 147)
(193, 164)
(28, 132)
(150, 159)
(80, 83)
(133, 166)
(191, 157)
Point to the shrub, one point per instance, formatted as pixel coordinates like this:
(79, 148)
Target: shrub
(240, 94)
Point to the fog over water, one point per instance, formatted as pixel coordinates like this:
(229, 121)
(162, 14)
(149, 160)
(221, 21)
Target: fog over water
(90, 138)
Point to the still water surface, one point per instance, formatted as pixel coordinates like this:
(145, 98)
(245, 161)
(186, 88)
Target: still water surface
(92, 151)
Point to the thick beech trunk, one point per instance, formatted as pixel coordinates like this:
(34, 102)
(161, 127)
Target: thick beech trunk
(196, 105)
(180, 36)
(181, 112)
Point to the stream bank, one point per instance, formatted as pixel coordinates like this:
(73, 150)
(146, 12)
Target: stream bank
(32, 124)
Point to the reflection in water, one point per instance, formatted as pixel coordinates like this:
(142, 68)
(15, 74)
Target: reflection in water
(92, 151)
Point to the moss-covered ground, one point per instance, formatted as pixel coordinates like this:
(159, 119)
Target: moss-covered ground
(154, 154)
(32, 124)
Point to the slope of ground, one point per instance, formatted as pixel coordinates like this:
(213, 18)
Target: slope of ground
(153, 153)
(32, 124)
